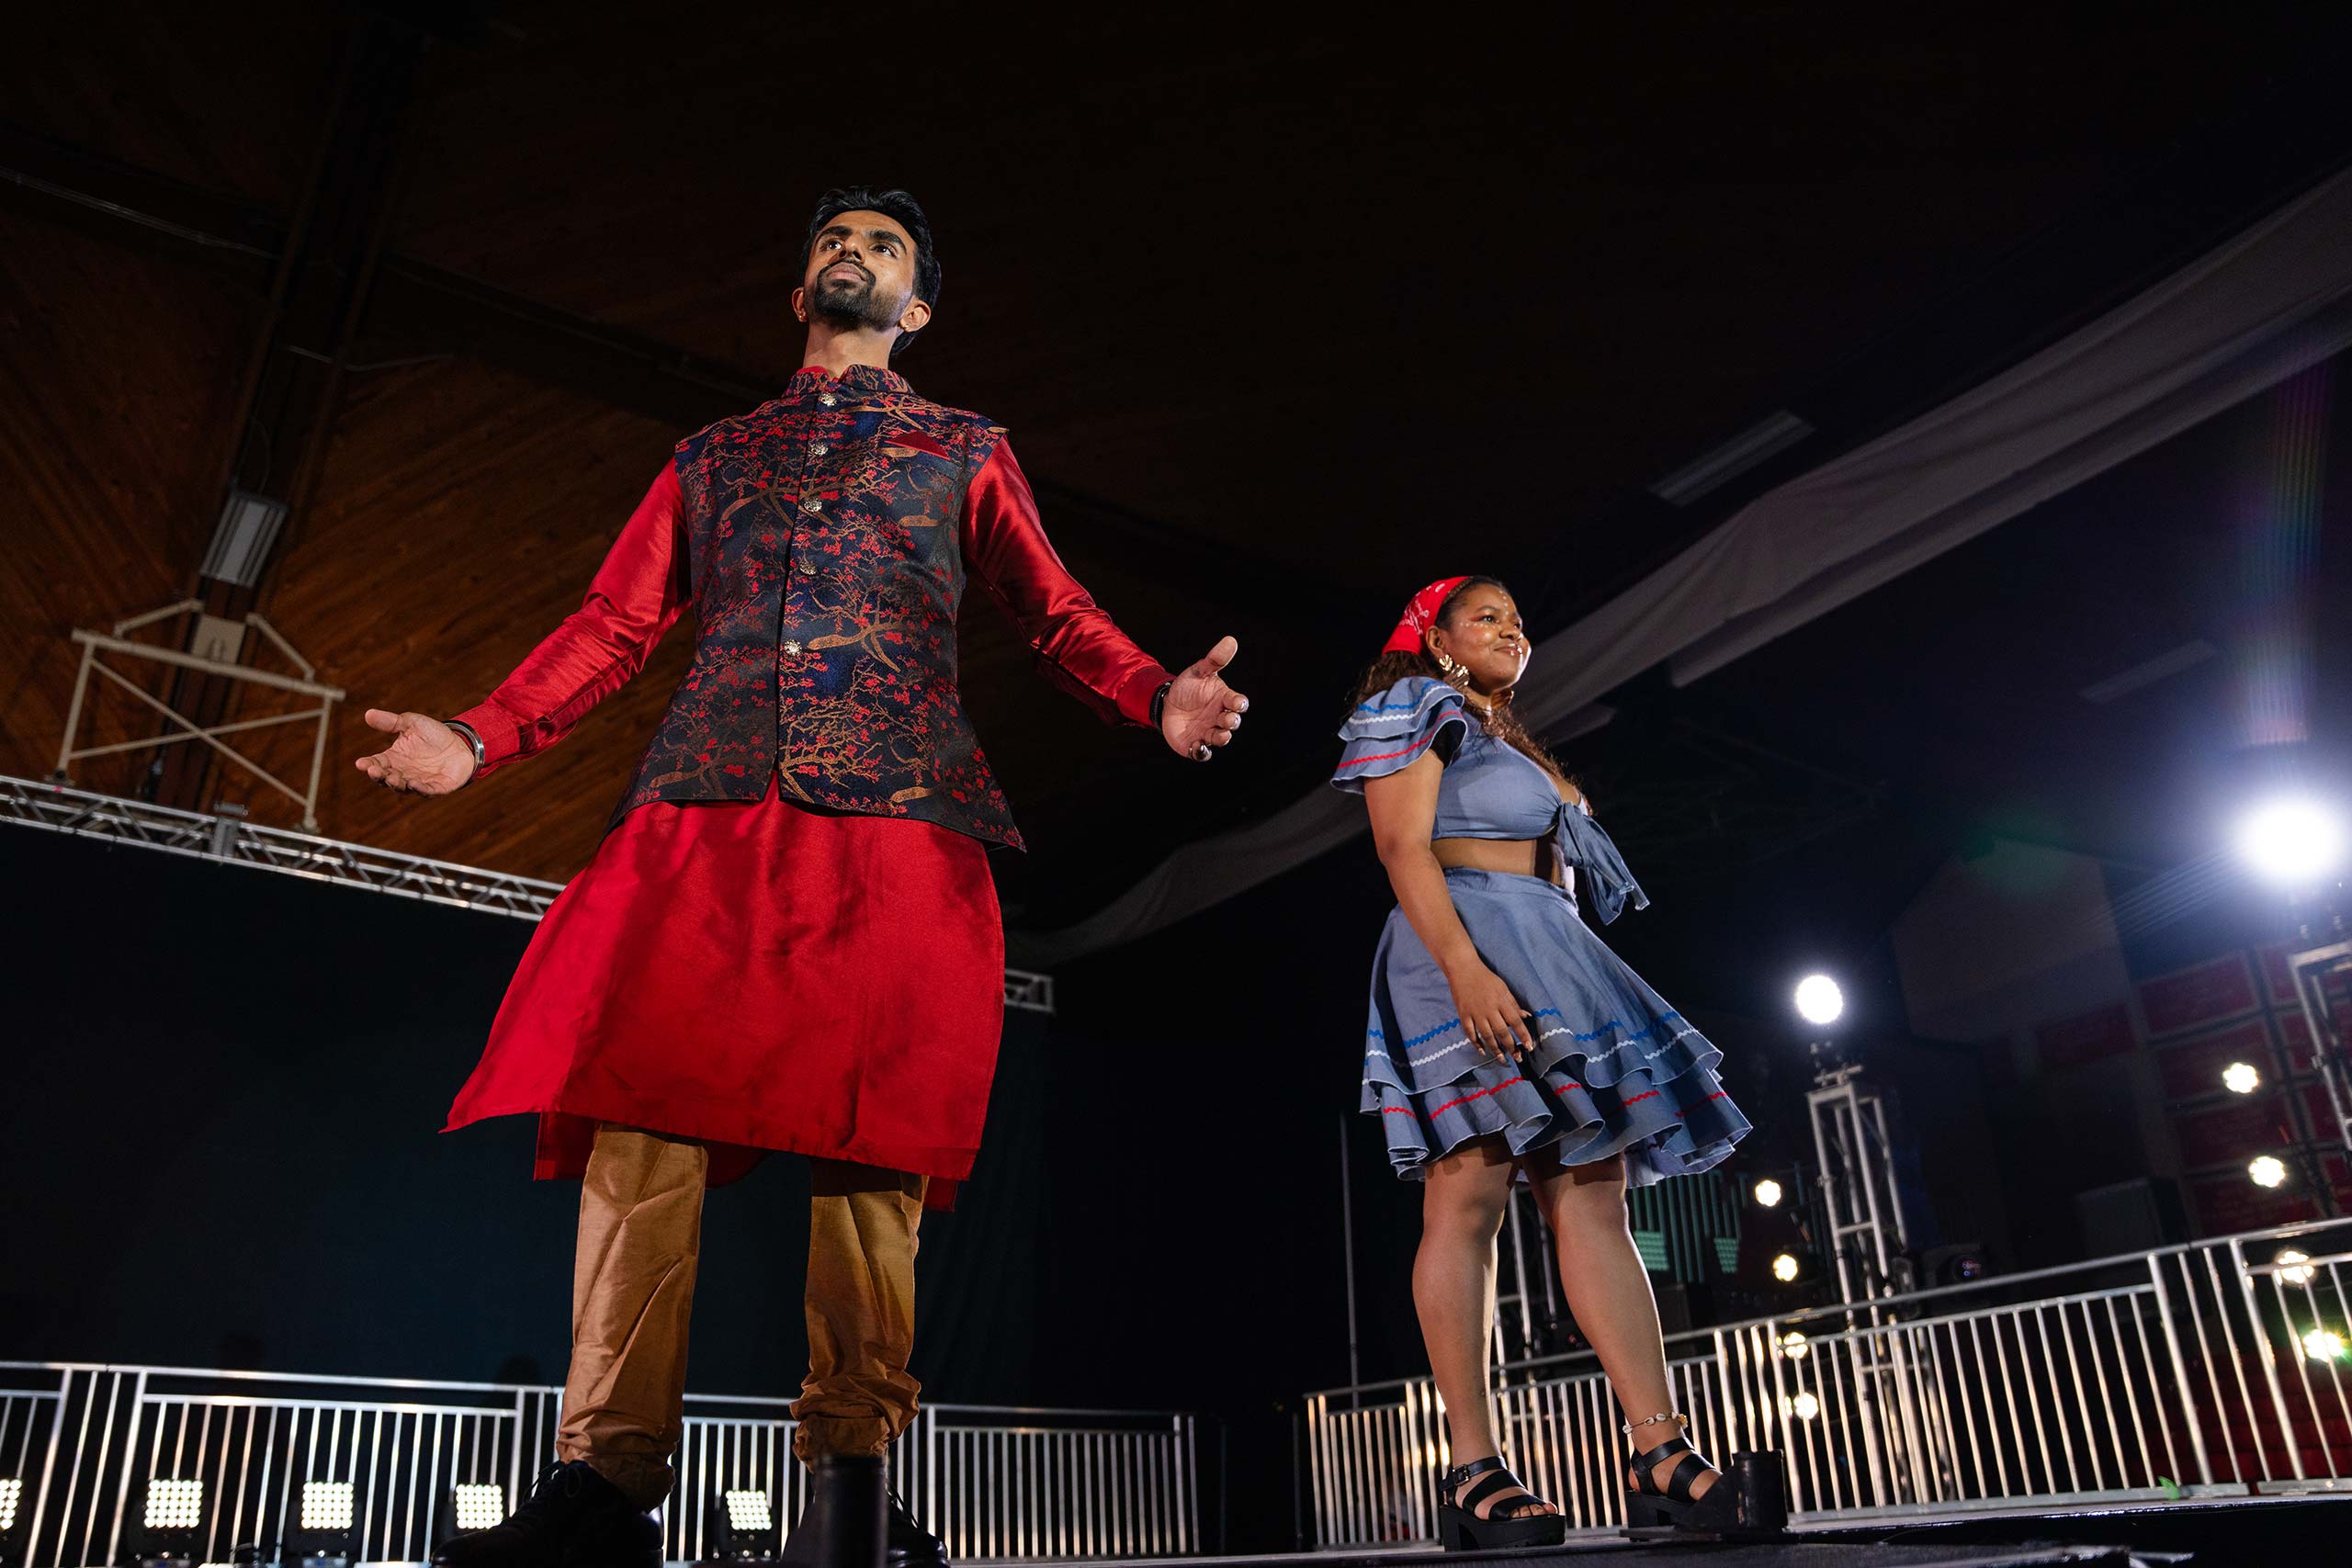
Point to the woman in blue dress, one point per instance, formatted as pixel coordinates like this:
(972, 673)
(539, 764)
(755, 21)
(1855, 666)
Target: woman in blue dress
(1507, 1042)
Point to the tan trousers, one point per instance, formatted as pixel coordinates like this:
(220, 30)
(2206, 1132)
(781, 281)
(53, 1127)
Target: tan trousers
(633, 1289)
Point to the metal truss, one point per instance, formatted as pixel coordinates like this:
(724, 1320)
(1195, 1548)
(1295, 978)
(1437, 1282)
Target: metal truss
(226, 837)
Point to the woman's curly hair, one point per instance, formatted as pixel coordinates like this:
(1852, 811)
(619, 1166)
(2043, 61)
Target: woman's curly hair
(1500, 721)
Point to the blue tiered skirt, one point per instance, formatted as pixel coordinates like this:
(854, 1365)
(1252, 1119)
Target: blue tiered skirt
(1615, 1069)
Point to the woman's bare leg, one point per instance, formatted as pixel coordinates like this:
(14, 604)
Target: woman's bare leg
(1609, 1290)
(1454, 1291)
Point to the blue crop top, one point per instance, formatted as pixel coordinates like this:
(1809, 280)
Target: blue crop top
(1489, 789)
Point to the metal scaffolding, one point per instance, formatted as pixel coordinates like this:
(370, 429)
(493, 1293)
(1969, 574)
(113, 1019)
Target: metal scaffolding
(218, 643)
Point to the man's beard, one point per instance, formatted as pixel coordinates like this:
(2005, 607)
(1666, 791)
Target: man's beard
(849, 303)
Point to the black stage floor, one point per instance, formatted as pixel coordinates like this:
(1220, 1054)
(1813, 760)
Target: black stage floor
(2209, 1532)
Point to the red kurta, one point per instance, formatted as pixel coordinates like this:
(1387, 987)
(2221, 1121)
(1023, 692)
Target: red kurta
(766, 974)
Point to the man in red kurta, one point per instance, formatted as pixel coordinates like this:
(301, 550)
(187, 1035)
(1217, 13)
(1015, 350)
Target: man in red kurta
(789, 937)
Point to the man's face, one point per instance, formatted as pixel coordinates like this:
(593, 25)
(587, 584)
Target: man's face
(861, 273)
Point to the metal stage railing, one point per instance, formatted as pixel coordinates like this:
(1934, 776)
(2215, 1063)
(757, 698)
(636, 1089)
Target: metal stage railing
(84, 1443)
(2217, 1366)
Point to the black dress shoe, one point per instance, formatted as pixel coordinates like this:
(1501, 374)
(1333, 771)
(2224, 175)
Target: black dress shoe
(905, 1544)
(573, 1519)
(909, 1545)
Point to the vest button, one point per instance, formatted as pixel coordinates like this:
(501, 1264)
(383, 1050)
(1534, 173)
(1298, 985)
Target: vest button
(827, 398)
(812, 505)
(817, 449)
(791, 648)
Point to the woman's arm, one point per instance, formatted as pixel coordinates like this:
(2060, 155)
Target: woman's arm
(1404, 810)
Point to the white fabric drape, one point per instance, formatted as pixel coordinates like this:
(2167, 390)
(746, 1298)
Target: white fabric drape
(2270, 302)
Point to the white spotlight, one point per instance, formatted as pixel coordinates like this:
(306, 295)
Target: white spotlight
(1767, 1192)
(2293, 1267)
(173, 1504)
(12, 1492)
(1793, 1346)
(479, 1505)
(327, 1505)
(1819, 1001)
(2324, 1345)
(2266, 1171)
(1785, 1268)
(2296, 841)
(2240, 1078)
(749, 1511)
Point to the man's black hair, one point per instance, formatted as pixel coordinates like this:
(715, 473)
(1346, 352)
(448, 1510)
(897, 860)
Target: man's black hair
(896, 204)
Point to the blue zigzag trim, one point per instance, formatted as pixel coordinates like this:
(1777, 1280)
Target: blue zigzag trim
(1455, 1022)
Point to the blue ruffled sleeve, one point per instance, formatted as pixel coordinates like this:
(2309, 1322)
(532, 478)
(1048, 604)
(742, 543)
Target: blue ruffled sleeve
(1390, 731)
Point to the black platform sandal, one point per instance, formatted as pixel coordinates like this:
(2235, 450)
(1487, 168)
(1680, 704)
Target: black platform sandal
(1459, 1528)
(1648, 1507)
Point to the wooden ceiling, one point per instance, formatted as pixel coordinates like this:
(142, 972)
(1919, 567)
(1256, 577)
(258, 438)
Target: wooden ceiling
(1314, 310)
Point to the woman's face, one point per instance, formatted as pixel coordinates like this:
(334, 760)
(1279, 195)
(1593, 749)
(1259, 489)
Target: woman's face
(1483, 635)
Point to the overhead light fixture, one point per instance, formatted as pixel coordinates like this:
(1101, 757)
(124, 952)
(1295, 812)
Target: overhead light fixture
(2293, 1267)
(2294, 840)
(1819, 1001)
(2267, 1170)
(1766, 1193)
(1794, 1345)
(12, 1493)
(2325, 1345)
(2240, 1078)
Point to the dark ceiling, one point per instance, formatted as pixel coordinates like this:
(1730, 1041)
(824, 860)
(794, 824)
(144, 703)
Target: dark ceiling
(1288, 312)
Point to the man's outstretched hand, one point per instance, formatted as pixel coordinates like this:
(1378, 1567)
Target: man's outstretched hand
(1201, 712)
(426, 757)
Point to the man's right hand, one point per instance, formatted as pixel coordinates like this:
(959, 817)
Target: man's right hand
(426, 757)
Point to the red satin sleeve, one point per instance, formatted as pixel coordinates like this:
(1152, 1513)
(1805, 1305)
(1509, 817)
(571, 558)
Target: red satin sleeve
(1078, 647)
(638, 594)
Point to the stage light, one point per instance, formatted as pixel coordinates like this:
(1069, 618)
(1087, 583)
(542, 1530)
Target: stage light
(2324, 1345)
(1767, 1192)
(12, 1492)
(478, 1506)
(2293, 1267)
(744, 1520)
(1806, 1406)
(2266, 1171)
(1785, 1268)
(2240, 1078)
(1819, 1001)
(173, 1504)
(1794, 1345)
(321, 1535)
(2295, 841)
(327, 1505)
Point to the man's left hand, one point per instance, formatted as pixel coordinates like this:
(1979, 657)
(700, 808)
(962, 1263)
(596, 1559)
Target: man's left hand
(1201, 712)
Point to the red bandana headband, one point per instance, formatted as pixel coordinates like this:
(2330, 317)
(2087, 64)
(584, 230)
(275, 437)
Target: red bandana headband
(1421, 614)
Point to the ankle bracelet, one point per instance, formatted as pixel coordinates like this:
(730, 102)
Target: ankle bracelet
(1675, 1415)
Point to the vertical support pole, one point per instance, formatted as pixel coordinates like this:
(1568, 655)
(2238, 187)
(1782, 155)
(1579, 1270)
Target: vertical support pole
(1348, 1228)
(63, 773)
(2269, 1357)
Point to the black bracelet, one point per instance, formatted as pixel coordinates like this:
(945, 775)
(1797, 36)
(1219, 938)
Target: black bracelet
(1159, 700)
